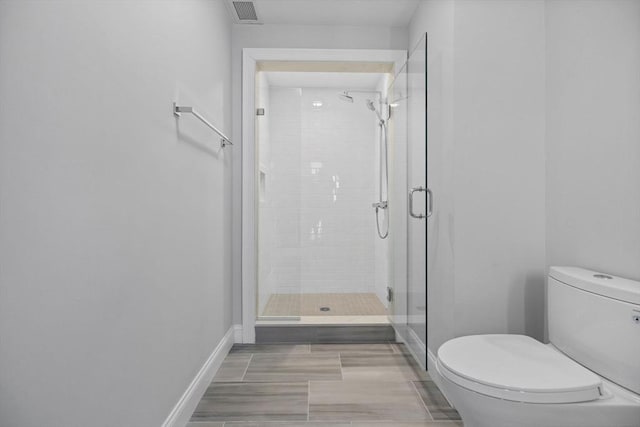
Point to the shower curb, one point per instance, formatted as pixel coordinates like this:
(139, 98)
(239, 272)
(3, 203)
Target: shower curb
(324, 334)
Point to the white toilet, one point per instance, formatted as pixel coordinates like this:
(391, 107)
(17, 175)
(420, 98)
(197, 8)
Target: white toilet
(589, 376)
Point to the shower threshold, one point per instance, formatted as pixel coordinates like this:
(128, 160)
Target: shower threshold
(289, 333)
(323, 320)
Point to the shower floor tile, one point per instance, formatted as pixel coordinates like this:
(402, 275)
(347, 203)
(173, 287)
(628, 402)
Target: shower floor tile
(358, 304)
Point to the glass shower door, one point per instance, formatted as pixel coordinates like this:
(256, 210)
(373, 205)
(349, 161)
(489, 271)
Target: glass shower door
(278, 130)
(409, 202)
(398, 212)
(420, 201)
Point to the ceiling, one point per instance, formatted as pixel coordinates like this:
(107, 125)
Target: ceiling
(387, 13)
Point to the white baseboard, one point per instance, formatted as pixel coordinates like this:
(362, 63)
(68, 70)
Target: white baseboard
(237, 334)
(417, 347)
(181, 413)
(431, 367)
(435, 374)
(411, 340)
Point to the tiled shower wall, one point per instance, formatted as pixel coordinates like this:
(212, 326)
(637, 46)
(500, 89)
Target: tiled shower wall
(317, 226)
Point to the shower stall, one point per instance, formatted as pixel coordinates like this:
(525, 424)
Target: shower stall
(321, 166)
(336, 205)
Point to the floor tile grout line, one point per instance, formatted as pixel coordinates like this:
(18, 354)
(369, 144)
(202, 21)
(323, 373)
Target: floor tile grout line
(394, 349)
(247, 368)
(424, 404)
(430, 416)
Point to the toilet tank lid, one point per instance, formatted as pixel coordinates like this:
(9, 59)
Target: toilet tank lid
(603, 284)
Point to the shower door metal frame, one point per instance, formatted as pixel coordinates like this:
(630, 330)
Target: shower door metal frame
(419, 261)
(411, 188)
(249, 236)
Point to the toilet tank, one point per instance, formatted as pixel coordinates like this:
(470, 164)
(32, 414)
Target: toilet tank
(594, 318)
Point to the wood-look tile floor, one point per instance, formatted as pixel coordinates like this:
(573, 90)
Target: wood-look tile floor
(322, 385)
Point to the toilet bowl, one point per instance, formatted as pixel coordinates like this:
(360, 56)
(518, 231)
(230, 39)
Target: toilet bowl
(589, 376)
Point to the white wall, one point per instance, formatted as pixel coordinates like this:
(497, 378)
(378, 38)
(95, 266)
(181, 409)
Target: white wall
(486, 84)
(322, 176)
(288, 36)
(593, 135)
(114, 218)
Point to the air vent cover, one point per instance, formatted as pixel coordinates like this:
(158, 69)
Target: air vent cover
(243, 12)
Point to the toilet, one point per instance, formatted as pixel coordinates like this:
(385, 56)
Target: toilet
(588, 376)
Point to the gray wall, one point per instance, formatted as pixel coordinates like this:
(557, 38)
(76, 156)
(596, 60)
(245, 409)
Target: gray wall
(593, 135)
(536, 107)
(114, 241)
(499, 166)
(437, 17)
(486, 104)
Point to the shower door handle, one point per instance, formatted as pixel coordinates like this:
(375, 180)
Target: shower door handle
(413, 190)
(429, 203)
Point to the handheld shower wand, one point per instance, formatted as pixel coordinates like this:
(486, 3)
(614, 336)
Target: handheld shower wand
(382, 204)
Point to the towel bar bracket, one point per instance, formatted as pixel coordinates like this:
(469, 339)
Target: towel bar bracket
(178, 109)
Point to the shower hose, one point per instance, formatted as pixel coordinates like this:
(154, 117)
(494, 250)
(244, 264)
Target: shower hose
(383, 204)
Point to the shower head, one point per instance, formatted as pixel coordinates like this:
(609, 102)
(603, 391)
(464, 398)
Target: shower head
(370, 105)
(346, 97)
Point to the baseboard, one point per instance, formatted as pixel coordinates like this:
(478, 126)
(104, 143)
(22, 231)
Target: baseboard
(435, 374)
(412, 342)
(418, 349)
(431, 366)
(237, 334)
(181, 413)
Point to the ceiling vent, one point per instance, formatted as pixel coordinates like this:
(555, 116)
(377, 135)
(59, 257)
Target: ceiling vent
(243, 12)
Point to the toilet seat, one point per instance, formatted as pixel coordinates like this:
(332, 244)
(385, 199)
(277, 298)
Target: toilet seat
(516, 368)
